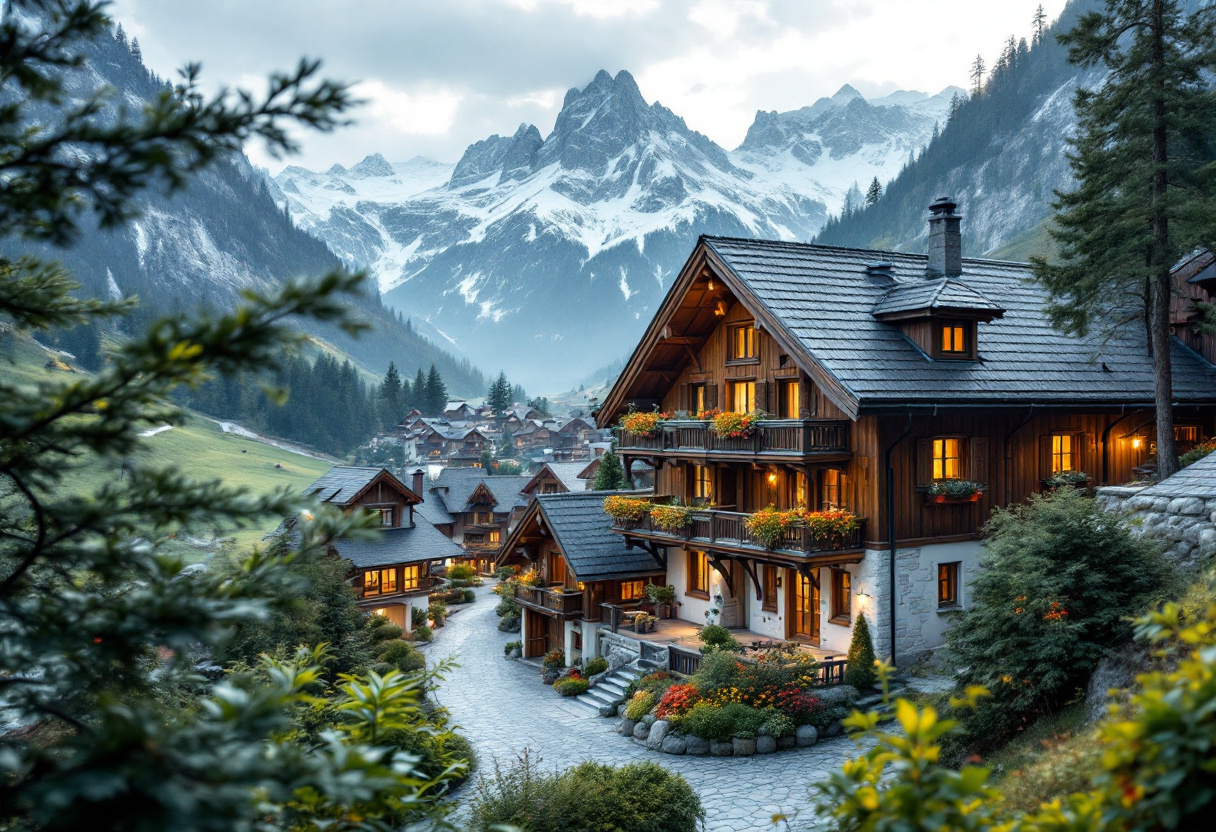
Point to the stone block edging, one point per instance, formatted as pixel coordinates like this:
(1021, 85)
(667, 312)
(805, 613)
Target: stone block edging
(658, 736)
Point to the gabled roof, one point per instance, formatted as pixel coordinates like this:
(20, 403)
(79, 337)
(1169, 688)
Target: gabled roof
(584, 533)
(817, 302)
(343, 485)
(407, 545)
(454, 487)
(944, 294)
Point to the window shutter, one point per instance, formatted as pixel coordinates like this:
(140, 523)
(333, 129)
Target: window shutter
(979, 460)
(924, 461)
(762, 396)
(711, 396)
(805, 402)
(1045, 457)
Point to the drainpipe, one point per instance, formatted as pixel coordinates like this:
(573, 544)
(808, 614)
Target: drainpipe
(891, 525)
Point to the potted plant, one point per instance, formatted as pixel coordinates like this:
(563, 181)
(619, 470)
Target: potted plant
(663, 598)
(954, 491)
(736, 425)
(1067, 479)
(626, 510)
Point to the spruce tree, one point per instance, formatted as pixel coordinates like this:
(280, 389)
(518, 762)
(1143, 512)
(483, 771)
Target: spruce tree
(977, 75)
(1142, 158)
(391, 398)
(499, 396)
(419, 401)
(874, 193)
(436, 393)
(610, 476)
(859, 671)
(1039, 23)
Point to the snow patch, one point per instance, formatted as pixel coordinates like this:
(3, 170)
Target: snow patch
(625, 290)
(153, 431)
(112, 286)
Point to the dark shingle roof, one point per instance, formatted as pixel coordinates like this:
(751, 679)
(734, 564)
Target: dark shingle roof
(462, 482)
(824, 297)
(407, 545)
(432, 509)
(1195, 480)
(340, 485)
(942, 293)
(584, 531)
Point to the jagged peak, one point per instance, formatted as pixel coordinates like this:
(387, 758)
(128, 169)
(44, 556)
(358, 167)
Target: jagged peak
(372, 165)
(846, 93)
(336, 170)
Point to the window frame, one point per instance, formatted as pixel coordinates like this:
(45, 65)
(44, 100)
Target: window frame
(789, 398)
(750, 347)
(827, 487)
(949, 575)
(697, 579)
(702, 482)
(945, 458)
(698, 397)
(386, 514)
(842, 596)
(639, 585)
(411, 577)
(1058, 453)
(731, 388)
(965, 334)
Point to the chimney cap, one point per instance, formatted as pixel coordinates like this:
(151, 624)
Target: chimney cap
(943, 206)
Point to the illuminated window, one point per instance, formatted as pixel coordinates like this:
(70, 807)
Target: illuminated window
(371, 583)
(1063, 452)
(698, 573)
(1186, 433)
(800, 490)
(742, 343)
(947, 584)
(632, 590)
(378, 581)
(697, 398)
(946, 460)
(743, 396)
(954, 339)
(770, 589)
(842, 594)
(701, 487)
(790, 400)
(831, 490)
(483, 517)
(386, 516)
(411, 576)
(495, 536)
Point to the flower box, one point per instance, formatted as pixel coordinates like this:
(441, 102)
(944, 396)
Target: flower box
(942, 499)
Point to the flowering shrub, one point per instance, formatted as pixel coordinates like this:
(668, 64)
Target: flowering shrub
(769, 525)
(530, 578)
(830, 523)
(670, 518)
(1197, 453)
(736, 425)
(707, 415)
(639, 705)
(643, 423)
(571, 685)
(1063, 479)
(626, 508)
(596, 666)
(555, 659)
(677, 701)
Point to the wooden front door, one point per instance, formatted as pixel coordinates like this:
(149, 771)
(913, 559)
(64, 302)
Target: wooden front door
(536, 637)
(804, 607)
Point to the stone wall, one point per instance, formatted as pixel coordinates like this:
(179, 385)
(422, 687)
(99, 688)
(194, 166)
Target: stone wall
(617, 649)
(1187, 525)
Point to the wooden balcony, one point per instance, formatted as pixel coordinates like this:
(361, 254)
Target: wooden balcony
(772, 439)
(423, 586)
(551, 600)
(713, 530)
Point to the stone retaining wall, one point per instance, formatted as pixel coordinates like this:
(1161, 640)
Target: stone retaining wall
(1187, 525)
(619, 650)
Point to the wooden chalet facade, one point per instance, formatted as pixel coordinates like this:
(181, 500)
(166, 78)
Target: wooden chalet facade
(884, 374)
(390, 573)
(582, 564)
(476, 511)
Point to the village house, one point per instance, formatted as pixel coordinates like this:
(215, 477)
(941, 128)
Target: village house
(391, 573)
(915, 393)
(582, 564)
(475, 510)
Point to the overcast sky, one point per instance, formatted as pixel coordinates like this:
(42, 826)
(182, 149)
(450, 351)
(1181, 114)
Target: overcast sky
(440, 74)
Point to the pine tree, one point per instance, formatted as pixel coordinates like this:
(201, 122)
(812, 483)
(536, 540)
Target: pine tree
(874, 193)
(499, 396)
(977, 75)
(1039, 23)
(392, 399)
(436, 393)
(135, 50)
(610, 476)
(859, 671)
(1142, 161)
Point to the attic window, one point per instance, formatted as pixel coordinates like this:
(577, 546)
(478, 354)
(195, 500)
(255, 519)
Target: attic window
(743, 343)
(954, 341)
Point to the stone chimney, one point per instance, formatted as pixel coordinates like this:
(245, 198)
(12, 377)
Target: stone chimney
(419, 479)
(945, 240)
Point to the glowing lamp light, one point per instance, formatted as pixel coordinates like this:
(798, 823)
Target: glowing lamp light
(711, 284)
(772, 477)
(720, 309)
(1137, 442)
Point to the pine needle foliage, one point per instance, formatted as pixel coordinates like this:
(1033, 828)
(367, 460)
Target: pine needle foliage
(859, 671)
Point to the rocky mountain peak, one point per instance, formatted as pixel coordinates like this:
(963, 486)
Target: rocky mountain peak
(373, 165)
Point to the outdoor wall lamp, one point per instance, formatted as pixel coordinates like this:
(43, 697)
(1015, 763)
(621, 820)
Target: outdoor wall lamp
(1137, 442)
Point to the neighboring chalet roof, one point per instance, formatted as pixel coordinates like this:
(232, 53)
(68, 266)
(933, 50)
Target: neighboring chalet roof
(564, 472)
(461, 483)
(407, 545)
(941, 295)
(584, 533)
(1195, 480)
(434, 512)
(342, 485)
(818, 301)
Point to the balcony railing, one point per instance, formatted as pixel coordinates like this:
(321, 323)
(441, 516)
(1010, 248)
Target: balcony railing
(787, 437)
(713, 528)
(550, 598)
(417, 587)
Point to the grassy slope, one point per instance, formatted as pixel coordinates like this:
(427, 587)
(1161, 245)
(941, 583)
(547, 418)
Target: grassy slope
(197, 446)
(1032, 241)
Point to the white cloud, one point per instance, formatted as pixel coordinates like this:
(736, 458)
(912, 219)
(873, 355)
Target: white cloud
(411, 113)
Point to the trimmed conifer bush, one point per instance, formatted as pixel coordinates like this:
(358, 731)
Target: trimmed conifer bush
(859, 672)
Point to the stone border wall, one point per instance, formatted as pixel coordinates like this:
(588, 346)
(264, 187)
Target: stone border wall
(1187, 525)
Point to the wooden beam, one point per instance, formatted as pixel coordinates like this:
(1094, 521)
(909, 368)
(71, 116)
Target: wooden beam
(750, 567)
(723, 570)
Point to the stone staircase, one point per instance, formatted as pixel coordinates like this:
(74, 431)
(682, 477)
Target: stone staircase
(602, 699)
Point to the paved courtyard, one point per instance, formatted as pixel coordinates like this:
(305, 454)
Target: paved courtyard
(503, 708)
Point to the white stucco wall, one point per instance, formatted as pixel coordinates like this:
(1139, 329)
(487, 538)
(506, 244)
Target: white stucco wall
(690, 608)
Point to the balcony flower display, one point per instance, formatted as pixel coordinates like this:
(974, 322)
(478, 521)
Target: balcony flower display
(954, 491)
(769, 526)
(671, 518)
(708, 415)
(736, 425)
(643, 423)
(623, 509)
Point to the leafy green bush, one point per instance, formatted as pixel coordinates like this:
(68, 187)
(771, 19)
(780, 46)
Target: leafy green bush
(708, 721)
(717, 670)
(589, 798)
(510, 623)
(469, 596)
(438, 612)
(655, 683)
(511, 645)
(424, 634)
(859, 671)
(461, 572)
(775, 724)
(1061, 576)
(503, 572)
(596, 666)
(1197, 453)
(403, 657)
(507, 606)
(417, 617)
(571, 686)
(640, 704)
(716, 637)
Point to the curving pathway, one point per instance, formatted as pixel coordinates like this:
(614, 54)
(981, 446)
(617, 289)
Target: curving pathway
(503, 708)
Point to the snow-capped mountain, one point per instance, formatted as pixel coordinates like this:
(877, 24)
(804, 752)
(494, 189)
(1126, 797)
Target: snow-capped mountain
(545, 255)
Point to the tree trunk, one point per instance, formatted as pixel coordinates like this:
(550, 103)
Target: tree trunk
(1162, 284)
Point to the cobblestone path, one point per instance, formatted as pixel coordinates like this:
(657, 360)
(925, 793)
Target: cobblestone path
(503, 708)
